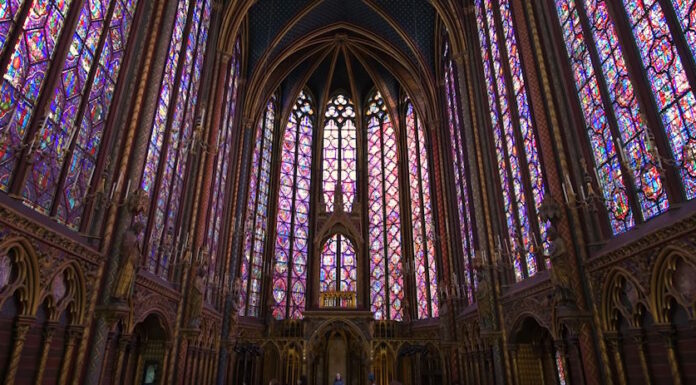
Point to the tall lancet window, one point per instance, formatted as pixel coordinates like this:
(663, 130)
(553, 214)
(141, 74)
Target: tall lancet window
(422, 222)
(339, 265)
(340, 145)
(664, 70)
(221, 191)
(461, 179)
(171, 137)
(519, 167)
(61, 134)
(627, 163)
(256, 225)
(384, 217)
(292, 227)
(617, 132)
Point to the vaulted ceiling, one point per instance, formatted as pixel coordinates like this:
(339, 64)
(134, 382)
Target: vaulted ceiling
(353, 44)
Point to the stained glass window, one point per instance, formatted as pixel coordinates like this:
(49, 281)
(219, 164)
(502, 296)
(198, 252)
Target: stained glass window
(632, 133)
(256, 225)
(180, 140)
(23, 79)
(384, 216)
(9, 11)
(521, 179)
(422, 223)
(338, 265)
(561, 369)
(686, 14)
(216, 206)
(164, 172)
(72, 116)
(292, 227)
(667, 77)
(340, 149)
(461, 179)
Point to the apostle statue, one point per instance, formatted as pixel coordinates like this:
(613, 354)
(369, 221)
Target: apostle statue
(130, 255)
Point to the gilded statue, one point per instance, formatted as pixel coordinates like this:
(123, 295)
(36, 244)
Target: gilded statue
(130, 255)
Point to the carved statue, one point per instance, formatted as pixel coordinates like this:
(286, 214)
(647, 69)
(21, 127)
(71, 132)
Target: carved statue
(560, 268)
(196, 297)
(558, 254)
(236, 295)
(130, 255)
(483, 297)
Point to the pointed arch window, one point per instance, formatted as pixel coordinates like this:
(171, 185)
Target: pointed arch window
(256, 225)
(60, 138)
(339, 153)
(384, 215)
(628, 166)
(292, 227)
(338, 265)
(221, 191)
(461, 178)
(422, 222)
(519, 171)
(172, 131)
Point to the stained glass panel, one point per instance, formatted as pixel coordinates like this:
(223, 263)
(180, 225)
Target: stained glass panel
(256, 226)
(170, 192)
(23, 79)
(461, 179)
(9, 11)
(511, 155)
(526, 129)
(384, 218)
(421, 213)
(686, 14)
(338, 265)
(292, 226)
(93, 121)
(339, 153)
(219, 193)
(671, 89)
(158, 134)
(651, 194)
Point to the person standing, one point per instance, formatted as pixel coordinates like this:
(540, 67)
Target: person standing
(338, 380)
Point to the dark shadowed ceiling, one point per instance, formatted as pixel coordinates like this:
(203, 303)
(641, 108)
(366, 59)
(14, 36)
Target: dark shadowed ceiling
(354, 45)
(395, 20)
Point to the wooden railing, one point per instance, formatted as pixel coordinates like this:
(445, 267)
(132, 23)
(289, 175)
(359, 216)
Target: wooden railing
(338, 299)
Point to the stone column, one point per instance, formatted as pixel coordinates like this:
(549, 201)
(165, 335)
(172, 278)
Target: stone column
(74, 335)
(613, 340)
(638, 337)
(22, 326)
(49, 331)
(668, 334)
(123, 343)
(515, 365)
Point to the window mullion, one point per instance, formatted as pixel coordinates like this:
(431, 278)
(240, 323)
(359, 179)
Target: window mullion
(681, 44)
(424, 232)
(653, 113)
(84, 101)
(167, 132)
(519, 139)
(253, 210)
(611, 117)
(46, 85)
(179, 152)
(514, 233)
(291, 240)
